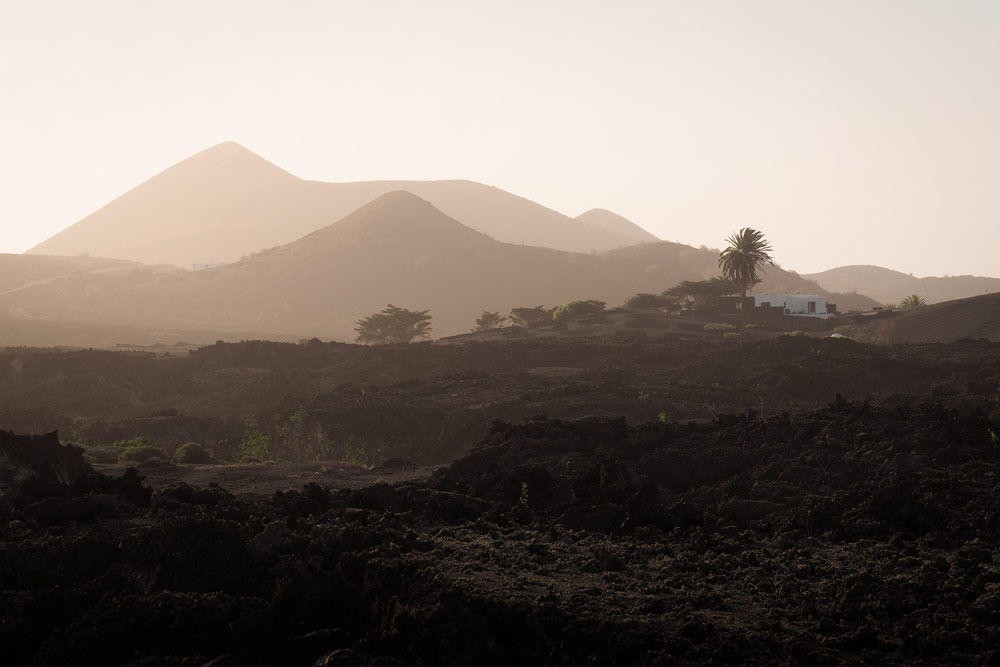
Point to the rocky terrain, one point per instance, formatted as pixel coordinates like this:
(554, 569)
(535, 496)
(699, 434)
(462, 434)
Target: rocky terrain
(647, 500)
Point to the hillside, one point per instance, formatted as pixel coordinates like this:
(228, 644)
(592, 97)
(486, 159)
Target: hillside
(616, 223)
(216, 206)
(18, 272)
(888, 286)
(397, 249)
(973, 317)
(501, 215)
(226, 202)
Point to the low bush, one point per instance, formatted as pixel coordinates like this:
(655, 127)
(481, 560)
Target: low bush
(131, 443)
(731, 334)
(795, 333)
(647, 301)
(143, 454)
(719, 326)
(193, 452)
(574, 310)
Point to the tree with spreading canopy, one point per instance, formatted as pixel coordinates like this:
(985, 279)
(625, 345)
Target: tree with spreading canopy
(649, 301)
(489, 321)
(393, 325)
(524, 316)
(747, 254)
(700, 294)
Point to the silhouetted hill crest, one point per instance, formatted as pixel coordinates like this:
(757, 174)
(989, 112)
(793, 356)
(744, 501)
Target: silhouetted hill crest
(888, 286)
(618, 224)
(227, 202)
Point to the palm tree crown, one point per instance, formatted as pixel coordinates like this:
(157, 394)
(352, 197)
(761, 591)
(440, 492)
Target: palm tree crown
(913, 301)
(746, 255)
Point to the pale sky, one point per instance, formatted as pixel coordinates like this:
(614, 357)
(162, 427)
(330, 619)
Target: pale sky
(848, 131)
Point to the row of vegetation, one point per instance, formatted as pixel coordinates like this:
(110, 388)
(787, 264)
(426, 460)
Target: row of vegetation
(141, 449)
(741, 264)
(399, 325)
(911, 302)
(291, 438)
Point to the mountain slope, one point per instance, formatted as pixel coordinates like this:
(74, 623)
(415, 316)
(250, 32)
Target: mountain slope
(888, 286)
(504, 216)
(227, 202)
(212, 207)
(397, 249)
(616, 223)
(18, 272)
(973, 317)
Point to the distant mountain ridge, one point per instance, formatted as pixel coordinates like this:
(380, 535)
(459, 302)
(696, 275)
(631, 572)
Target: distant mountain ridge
(396, 249)
(227, 202)
(616, 223)
(888, 286)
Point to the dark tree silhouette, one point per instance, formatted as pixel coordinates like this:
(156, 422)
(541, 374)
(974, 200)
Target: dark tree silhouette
(488, 321)
(525, 316)
(648, 301)
(393, 325)
(700, 294)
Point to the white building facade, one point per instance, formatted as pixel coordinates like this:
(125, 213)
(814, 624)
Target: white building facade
(806, 305)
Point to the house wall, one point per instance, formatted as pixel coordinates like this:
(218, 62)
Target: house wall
(794, 304)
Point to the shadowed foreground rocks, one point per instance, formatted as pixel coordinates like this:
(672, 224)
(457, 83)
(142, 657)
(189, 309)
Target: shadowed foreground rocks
(853, 534)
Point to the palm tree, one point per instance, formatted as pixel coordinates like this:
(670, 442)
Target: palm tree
(746, 255)
(913, 301)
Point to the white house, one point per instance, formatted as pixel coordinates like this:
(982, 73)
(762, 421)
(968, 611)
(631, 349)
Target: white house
(808, 305)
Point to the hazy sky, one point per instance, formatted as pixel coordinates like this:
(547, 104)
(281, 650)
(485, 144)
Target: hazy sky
(850, 132)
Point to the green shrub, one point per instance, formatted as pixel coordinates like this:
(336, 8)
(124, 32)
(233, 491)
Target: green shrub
(731, 334)
(354, 451)
(192, 452)
(255, 444)
(142, 454)
(798, 332)
(719, 326)
(131, 443)
(574, 310)
(754, 326)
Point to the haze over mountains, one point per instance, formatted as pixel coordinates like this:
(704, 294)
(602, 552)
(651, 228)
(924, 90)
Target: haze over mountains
(888, 286)
(397, 249)
(227, 202)
(316, 257)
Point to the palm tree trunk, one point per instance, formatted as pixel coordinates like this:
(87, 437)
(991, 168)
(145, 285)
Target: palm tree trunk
(743, 297)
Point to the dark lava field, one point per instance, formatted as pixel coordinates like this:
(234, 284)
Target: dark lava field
(550, 501)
